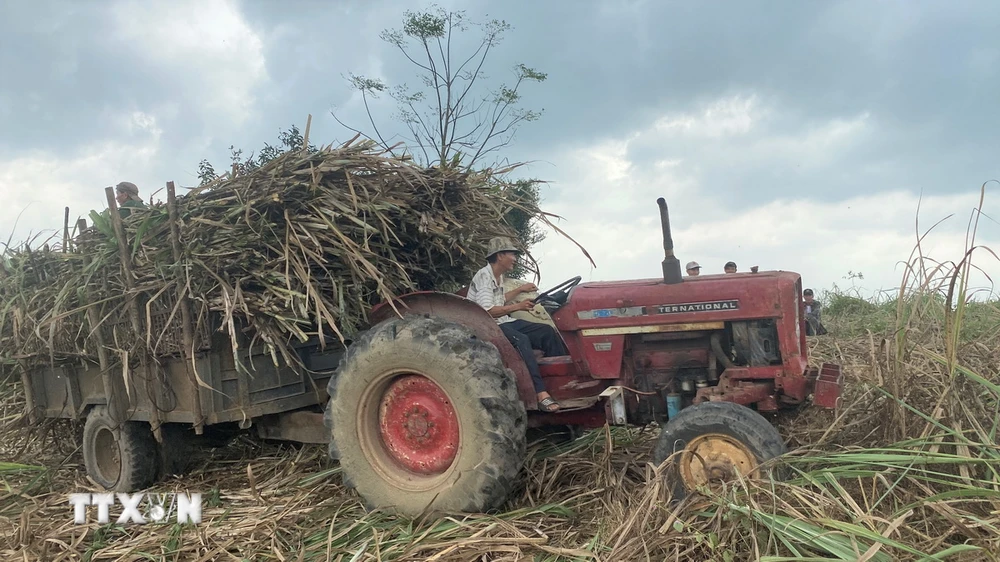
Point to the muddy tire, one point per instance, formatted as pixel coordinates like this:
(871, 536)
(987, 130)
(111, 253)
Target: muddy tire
(424, 417)
(712, 441)
(121, 457)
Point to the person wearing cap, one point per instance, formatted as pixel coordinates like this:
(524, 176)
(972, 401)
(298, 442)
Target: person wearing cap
(127, 195)
(486, 290)
(814, 327)
(730, 267)
(693, 269)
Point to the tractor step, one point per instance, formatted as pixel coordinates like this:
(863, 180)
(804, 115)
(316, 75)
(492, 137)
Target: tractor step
(572, 404)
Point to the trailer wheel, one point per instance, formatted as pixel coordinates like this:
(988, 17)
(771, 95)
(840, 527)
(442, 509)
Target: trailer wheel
(121, 457)
(714, 441)
(425, 417)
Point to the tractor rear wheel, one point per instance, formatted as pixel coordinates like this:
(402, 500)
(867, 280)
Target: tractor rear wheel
(425, 417)
(714, 441)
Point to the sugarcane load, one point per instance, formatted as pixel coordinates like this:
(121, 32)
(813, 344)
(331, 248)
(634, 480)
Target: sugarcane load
(301, 248)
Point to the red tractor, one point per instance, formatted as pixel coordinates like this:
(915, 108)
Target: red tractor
(429, 408)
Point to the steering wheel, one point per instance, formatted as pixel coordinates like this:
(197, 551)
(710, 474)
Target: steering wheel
(565, 287)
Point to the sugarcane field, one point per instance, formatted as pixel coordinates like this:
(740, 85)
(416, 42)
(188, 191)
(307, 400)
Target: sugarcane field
(710, 282)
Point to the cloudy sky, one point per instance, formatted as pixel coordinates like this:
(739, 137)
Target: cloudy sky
(790, 135)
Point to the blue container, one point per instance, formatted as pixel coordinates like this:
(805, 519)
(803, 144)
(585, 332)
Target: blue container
(673, 405)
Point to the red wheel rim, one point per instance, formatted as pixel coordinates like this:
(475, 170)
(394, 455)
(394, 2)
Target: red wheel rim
(418, 425)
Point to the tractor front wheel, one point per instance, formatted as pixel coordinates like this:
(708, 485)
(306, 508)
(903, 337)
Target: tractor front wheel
(425, 417)
(715, 442)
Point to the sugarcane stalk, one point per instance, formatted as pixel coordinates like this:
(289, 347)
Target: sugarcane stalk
(185, 306)
(65, 243)
(29, 388)
(113, 394)
(305, 136)
(133, 310)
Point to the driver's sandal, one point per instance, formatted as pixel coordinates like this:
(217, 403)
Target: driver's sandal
(547, 404)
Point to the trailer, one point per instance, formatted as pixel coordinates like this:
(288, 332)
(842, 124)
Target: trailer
(247, 386)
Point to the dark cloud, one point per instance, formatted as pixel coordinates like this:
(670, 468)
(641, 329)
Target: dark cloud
(925, 75)
(52, 72)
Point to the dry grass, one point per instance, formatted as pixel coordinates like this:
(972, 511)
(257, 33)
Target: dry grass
(906, 469)
(593, 499)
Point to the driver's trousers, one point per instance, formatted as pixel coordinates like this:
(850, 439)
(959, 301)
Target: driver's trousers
(525, 336)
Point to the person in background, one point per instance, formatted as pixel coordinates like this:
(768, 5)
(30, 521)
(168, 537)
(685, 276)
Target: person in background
(814, 327)
(693, 269)
(730, 267)
(127, 195)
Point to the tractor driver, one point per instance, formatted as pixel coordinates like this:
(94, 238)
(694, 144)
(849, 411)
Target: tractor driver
(487, 291)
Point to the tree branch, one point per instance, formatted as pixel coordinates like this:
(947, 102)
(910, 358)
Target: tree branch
(420, 143)
(475, 75)
(408, 57)
(427, 131)
(371, 120)
(458, 128)
(497, 117)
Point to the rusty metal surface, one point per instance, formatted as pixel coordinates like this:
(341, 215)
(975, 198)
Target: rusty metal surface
(826, 392)
(794, 389)
(603, 355)
(745, 393)
(418, 425)
(715, 457)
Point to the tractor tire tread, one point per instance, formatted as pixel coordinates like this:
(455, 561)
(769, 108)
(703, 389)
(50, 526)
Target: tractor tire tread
(735, 420)
(468, 367)
(138, 451)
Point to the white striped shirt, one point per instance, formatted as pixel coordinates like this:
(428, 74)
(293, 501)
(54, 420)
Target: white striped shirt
(487, 293)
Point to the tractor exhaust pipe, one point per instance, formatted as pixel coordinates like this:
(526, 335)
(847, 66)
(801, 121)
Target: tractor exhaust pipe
(671, 265)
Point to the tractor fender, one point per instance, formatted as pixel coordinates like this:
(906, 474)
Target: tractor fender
(462, 311)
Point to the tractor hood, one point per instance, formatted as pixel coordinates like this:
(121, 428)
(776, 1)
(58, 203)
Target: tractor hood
(706, 298)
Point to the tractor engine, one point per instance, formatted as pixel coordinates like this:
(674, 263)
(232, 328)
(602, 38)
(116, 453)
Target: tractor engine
(679, 364)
